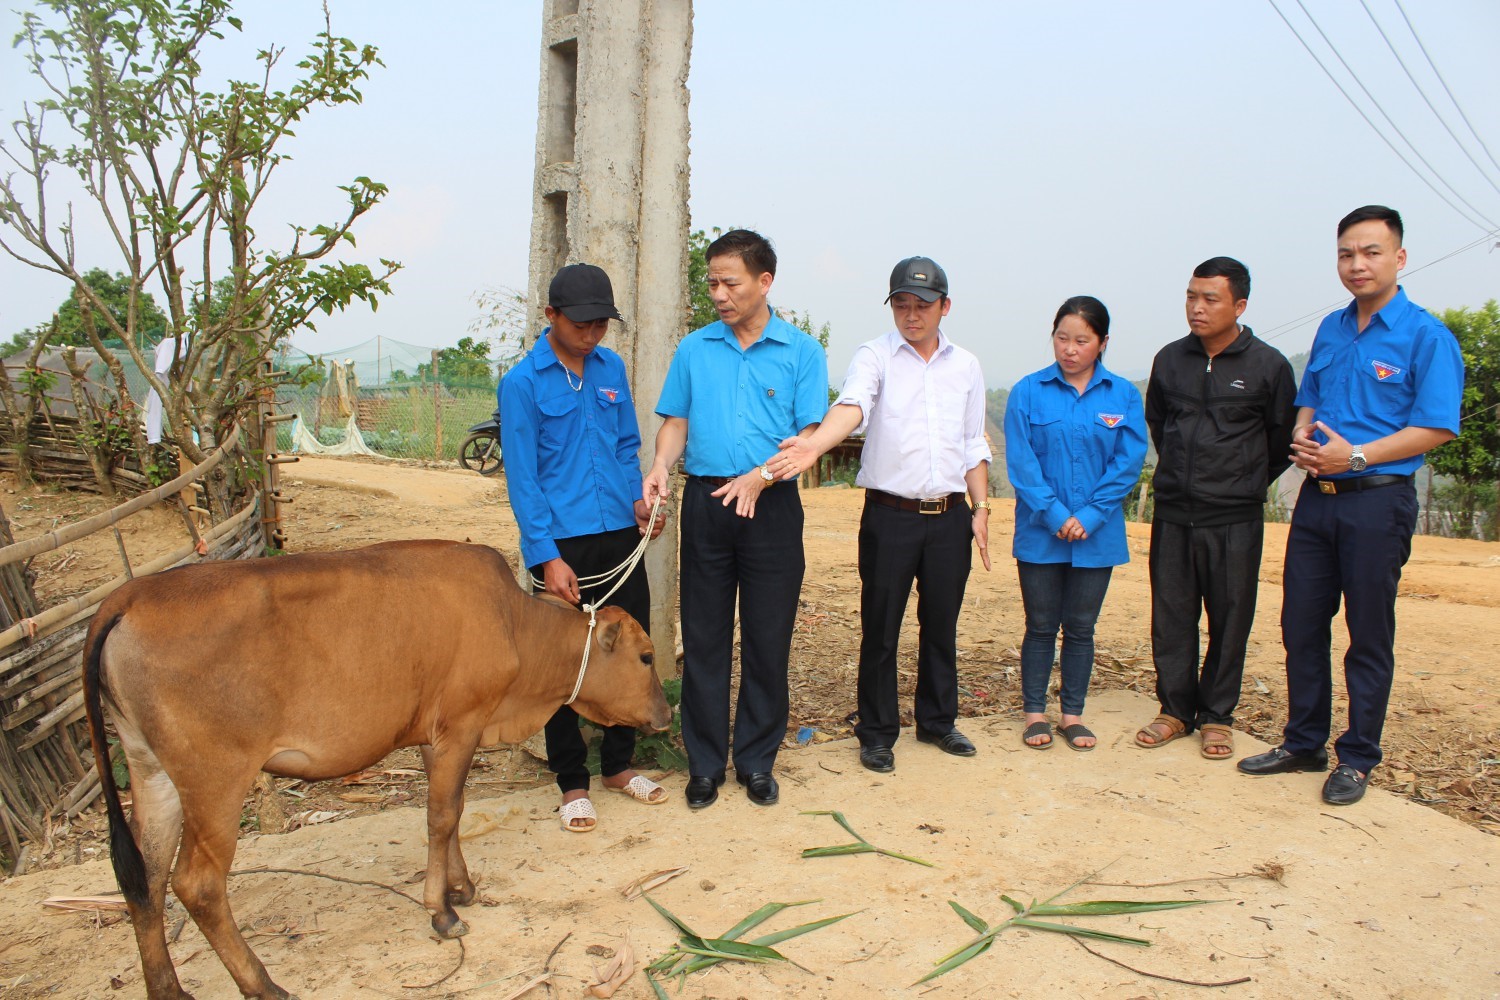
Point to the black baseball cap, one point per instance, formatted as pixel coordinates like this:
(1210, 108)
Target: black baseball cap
(921, 276)
(582, 293)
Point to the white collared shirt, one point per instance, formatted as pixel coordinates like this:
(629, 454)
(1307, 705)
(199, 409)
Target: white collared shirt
(923, 420)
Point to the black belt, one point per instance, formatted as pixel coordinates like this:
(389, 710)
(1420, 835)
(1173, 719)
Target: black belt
(1334, 486)
(938, 505)
(717, 481)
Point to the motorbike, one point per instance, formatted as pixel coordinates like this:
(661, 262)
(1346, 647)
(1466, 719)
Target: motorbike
(481, 449)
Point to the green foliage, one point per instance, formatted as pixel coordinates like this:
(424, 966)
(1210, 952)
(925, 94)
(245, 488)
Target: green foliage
(466, 365)
(700, 306)
(655, 751)
(1025, 916)
(117, 294)
(1474, 456)
(664, 751)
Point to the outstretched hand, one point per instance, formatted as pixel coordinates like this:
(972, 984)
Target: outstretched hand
(796, 456)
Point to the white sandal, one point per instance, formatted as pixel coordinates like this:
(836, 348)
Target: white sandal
(578, 809)
(641, 788)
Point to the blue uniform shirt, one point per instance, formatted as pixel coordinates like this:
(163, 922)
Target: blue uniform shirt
(1072, 454)
(1404, 370)
(740, 404)
(571, 455)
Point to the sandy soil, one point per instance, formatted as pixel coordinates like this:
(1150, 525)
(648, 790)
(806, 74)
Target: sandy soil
(1388, 898)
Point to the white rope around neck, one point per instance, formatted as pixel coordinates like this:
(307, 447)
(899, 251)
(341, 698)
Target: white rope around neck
(623, 571)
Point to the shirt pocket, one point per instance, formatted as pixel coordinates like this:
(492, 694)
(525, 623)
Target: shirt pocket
(770, 402)
(1047, 432)
(559, 420)
(609, 411)
(1384, 386)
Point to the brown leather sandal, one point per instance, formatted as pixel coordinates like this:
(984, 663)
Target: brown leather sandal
(1174, 728)
(1216, 737)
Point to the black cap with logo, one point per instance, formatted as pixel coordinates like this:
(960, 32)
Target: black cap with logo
(582, 293)
(921, 276)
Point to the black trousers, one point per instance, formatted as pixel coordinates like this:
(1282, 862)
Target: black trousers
(567, 753)
(1354, 545)
(895, 548)
(1195, 570)
(760, 561)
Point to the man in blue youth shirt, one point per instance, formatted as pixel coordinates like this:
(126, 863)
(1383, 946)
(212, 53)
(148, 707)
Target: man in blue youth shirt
(570, 439)
(735, 390)
(1382, 388)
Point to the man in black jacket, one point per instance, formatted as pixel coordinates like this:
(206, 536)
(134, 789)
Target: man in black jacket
(1219, 407)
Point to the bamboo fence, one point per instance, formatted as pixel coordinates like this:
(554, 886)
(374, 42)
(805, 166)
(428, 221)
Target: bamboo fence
(46, 768)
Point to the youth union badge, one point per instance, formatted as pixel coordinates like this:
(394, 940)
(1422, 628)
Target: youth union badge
(609, 394)
(1110, 419)
(1384, 371)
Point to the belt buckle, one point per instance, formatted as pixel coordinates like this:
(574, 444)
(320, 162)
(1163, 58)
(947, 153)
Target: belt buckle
(938, 506)
(1327, 486)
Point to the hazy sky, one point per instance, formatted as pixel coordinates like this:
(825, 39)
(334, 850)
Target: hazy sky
(1035, 150)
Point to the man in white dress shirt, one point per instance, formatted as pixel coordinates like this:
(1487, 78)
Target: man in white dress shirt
(920, 399)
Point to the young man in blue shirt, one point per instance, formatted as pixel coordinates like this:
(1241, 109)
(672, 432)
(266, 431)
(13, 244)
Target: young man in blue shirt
(1382, 387)
(734, 391)
(570, 439)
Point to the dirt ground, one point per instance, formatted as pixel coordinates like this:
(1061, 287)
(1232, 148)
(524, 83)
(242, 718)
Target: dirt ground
(1394, 897)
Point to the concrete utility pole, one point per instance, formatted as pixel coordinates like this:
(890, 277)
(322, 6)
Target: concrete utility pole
(611, 189)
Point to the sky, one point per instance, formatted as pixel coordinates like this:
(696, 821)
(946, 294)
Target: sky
(1035, 150)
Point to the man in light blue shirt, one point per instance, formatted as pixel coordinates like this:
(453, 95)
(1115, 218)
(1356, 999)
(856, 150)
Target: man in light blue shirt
(570, 440)
(735, 390)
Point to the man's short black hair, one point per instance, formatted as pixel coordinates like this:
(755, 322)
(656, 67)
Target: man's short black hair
(1226, 267)
(752, 248)
(1371, 213)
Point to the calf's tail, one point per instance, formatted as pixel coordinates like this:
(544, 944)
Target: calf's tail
(124, 853)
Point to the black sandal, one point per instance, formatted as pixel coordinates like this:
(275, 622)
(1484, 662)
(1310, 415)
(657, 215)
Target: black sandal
(1078, 731)
(1038, 729)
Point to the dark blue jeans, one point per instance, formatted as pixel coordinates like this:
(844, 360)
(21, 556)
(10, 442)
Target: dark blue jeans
(1067, 597)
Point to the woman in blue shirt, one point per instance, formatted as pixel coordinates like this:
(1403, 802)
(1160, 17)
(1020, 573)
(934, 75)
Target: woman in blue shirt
(1075, 439)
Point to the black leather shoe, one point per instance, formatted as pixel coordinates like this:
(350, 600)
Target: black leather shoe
(702, 791)
(952, 741)
(1344, 786)
(877, 758)
(1278, 761)
(760, 787)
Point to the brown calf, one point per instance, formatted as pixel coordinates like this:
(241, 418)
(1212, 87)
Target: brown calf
(315, 666)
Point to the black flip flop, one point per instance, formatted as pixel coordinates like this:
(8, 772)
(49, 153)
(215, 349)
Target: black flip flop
(1075, 732)
(1038, 729)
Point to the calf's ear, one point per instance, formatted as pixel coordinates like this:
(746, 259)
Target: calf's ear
(608, 636)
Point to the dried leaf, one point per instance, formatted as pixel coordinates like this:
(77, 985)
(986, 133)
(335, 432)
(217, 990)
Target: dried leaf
(614, 973)
(72, 904)
(362, 796)
(646, 883)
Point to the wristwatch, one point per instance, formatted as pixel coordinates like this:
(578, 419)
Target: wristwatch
(1357, 461)
(766, 474)
(982, 504)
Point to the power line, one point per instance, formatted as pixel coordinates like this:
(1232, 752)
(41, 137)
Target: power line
(1389, 120)
(1428, 101)
(1446, 89)
(1282, 329)
(1360, 111)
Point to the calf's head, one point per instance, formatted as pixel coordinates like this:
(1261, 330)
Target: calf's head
(621, 687)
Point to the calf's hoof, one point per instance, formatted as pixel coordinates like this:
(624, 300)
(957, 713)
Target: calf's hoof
(448, 925)
(462, 896)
